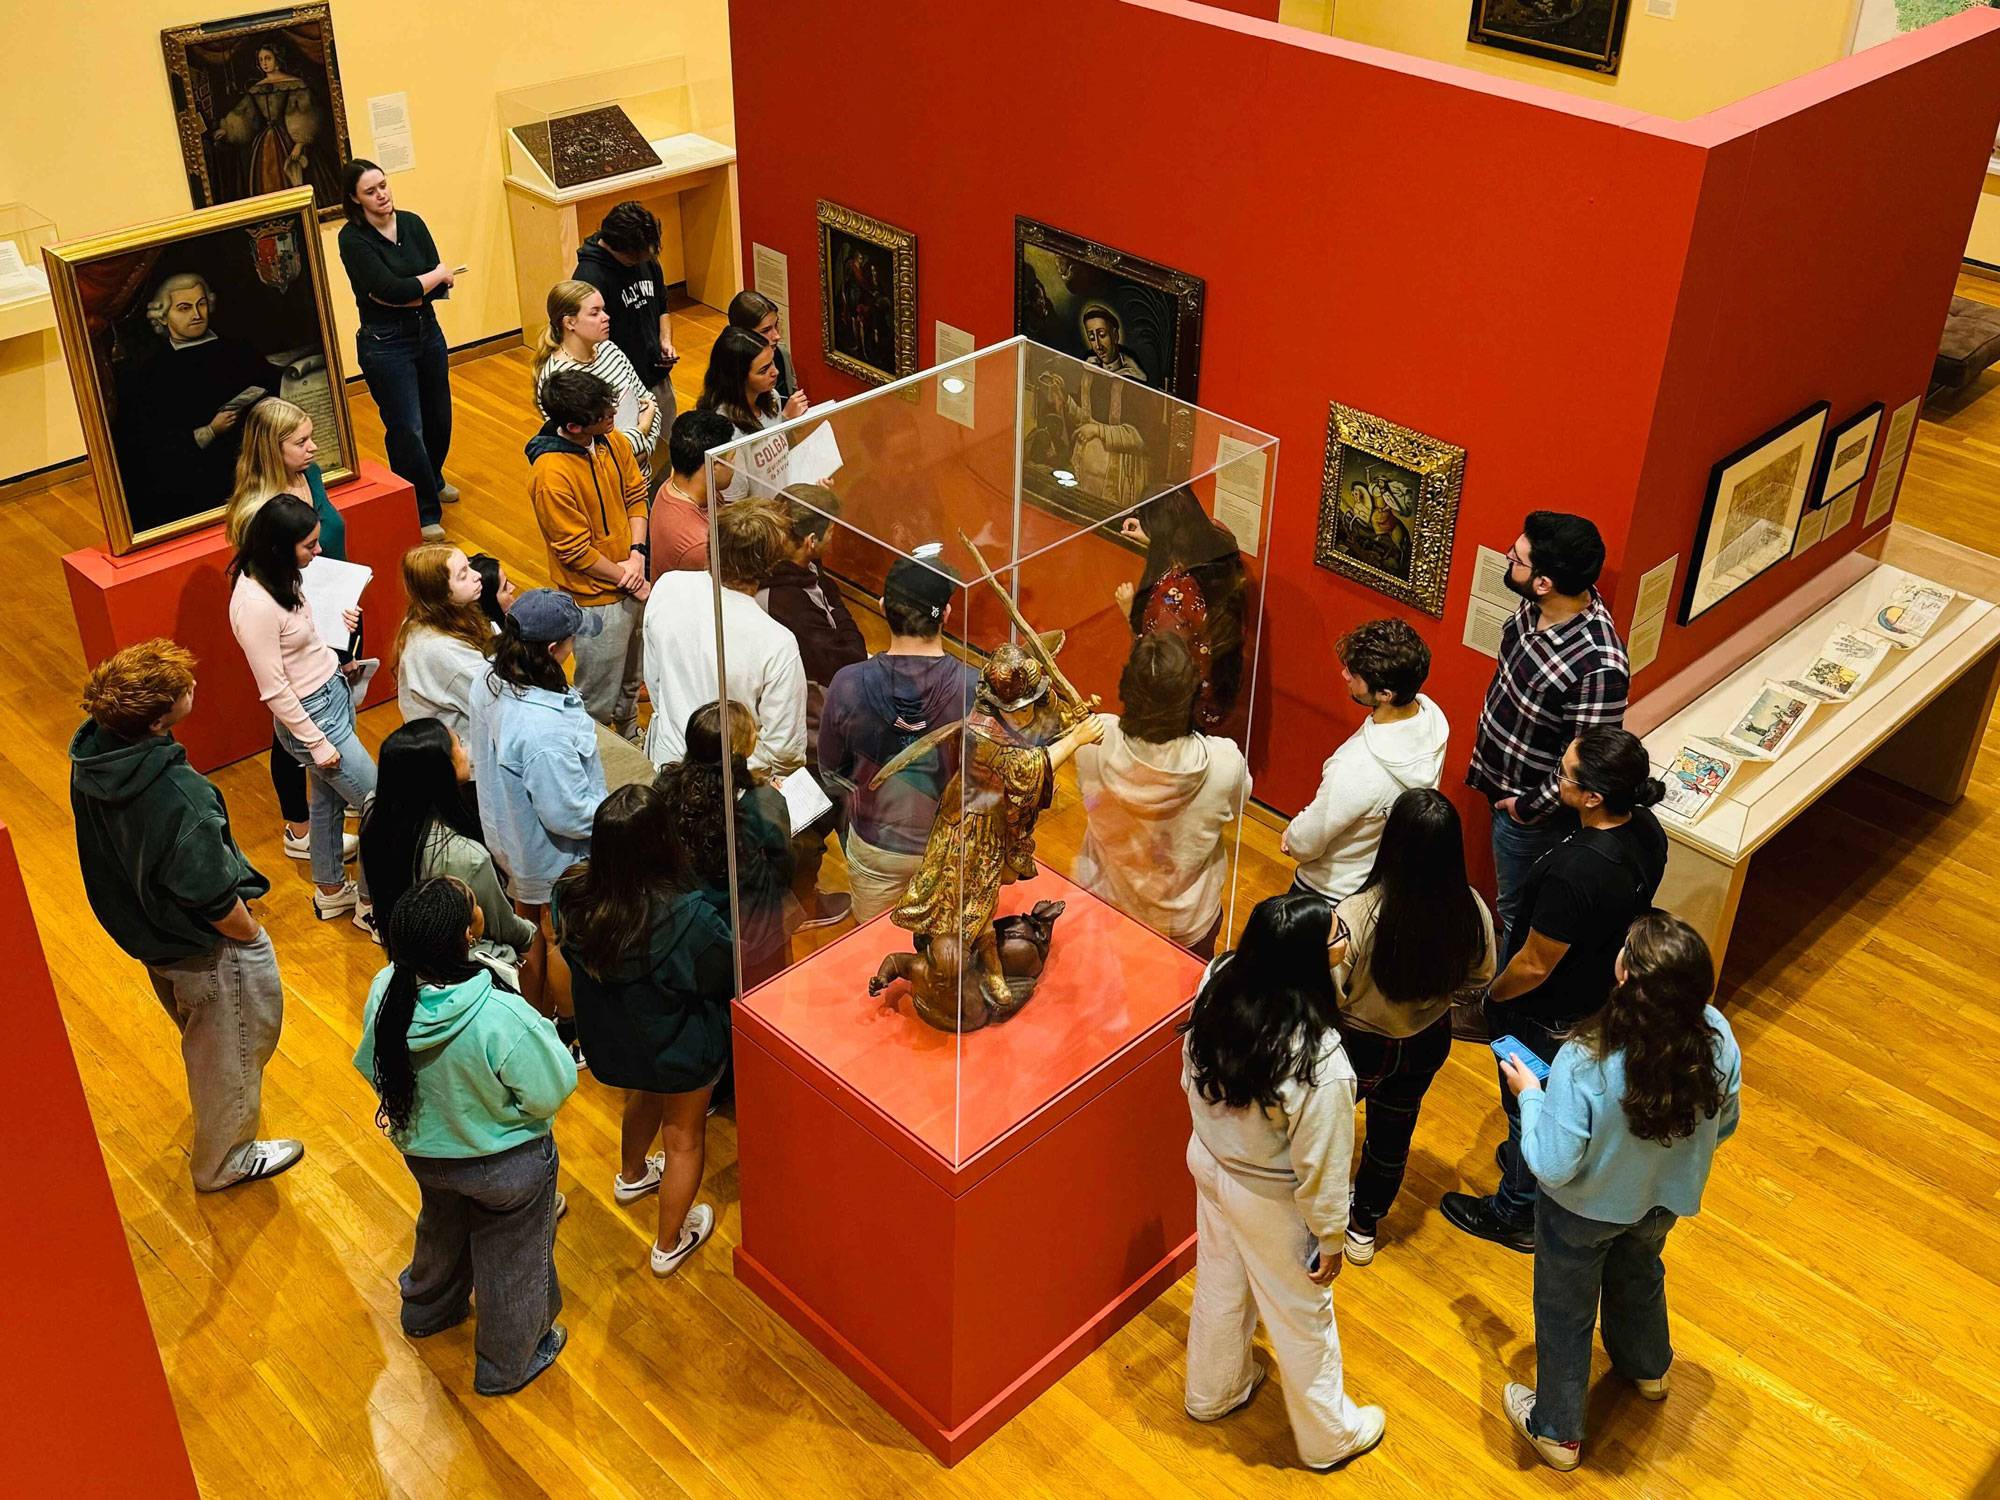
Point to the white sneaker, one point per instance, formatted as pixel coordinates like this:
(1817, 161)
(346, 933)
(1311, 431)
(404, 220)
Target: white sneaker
(364, 918)
(695, 1230)
(326, 907)
(1654, 1390)
(649, 1181)
(562, 1206)
(1520, 1403)
(1359, 1248)
(1257, 1374)
(268, 1159)
(299, 846)
(1374, 1422)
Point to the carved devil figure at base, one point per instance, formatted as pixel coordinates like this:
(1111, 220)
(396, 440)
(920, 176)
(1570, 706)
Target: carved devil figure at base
(936, 973)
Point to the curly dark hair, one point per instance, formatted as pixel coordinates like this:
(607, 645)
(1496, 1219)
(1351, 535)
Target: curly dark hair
(696, 804)
(1389, 656)
(630, 228)
(1655, 1018)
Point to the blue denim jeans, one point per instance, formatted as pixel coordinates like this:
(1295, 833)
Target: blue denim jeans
(1516, 847)
(487, 1232)
(1580, 1263)
(331, 707)
(408, 370)
(1514, 1199)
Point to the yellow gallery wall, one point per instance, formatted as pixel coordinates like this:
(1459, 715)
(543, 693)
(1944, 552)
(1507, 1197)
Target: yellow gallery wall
(1712, 53)
(87, 137)
(1986, 224)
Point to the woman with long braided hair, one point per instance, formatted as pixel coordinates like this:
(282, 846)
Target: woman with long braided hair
(469, 1077)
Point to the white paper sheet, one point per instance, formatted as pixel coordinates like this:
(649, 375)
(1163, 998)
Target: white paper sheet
(815, 460)
(1483, 624)
(770, 274)
(333, 587)
(389, 123)
(1841, 511)
(804, 799)
(357, 685)
(1644, 645)
(1656, 589)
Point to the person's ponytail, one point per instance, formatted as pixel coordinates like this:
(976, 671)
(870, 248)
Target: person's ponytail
(427, 943)
(395, 1075)
(566, 299)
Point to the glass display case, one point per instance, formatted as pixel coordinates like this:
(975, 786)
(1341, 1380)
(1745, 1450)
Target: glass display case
(626, 124)
(25, 304)
(1037, 811)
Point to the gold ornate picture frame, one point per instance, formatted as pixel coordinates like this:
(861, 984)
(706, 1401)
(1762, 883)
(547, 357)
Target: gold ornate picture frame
(258, 106)
(867, 295)
(1388, 507)
(171, 330)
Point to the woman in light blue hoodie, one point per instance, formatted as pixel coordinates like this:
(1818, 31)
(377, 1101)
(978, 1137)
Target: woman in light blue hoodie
(534, 747)
(1621, 1142)
(469, 1077)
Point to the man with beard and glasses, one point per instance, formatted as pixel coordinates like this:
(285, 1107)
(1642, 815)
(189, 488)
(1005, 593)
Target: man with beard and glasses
(1562, 670)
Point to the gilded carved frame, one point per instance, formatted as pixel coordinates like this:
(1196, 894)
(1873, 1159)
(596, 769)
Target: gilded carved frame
(902, 247)
(193, 129)
(339, 455)
(1439, 470)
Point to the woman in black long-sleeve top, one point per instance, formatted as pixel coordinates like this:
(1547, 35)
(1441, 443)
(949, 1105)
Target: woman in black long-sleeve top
(392, 264)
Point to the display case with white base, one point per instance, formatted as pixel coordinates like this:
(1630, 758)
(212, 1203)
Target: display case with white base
(1918, 720)
(651, 132)
(25, 304)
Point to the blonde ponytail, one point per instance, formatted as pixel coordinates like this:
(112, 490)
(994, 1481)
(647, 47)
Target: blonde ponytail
(566, 299)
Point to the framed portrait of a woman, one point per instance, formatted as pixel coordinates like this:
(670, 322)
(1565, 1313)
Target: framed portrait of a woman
(173, 331)
(258, 106)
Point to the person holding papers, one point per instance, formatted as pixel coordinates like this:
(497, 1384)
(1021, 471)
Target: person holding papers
(305, 686)
(279, 457)
(741, 384)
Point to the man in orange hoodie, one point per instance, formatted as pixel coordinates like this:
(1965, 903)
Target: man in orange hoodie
(589, 497)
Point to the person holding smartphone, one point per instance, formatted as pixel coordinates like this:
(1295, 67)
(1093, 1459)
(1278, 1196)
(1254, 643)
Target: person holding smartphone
(1272, 1100)
(1621, 1139)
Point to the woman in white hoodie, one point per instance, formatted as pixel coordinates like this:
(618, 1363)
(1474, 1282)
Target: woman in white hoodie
(1156, 798)
(1399, 747)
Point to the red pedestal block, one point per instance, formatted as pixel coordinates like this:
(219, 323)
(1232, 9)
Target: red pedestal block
(86, 1402)
(181, 589)
(955, 1222)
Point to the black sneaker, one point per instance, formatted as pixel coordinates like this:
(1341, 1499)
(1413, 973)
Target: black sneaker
(1476, 1216)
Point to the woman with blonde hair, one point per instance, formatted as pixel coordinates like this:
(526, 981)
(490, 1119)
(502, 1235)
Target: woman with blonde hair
(579, 338)
(444, 639)
(279, 457)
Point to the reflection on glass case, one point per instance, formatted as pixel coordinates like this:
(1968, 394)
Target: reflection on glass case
(1033, 797)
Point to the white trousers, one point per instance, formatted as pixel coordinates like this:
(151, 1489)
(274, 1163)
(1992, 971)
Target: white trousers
(876, 877)
(1250, 1262)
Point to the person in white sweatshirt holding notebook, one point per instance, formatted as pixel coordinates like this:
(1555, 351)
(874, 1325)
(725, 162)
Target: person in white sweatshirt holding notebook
(1400, 746)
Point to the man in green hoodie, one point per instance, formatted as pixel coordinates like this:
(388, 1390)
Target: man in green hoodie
(170, 887)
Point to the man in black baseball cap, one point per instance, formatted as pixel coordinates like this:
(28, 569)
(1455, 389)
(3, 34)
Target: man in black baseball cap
(874, 710)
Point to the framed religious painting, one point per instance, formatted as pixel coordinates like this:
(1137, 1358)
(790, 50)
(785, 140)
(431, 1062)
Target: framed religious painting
(867, 295)
(173, 331)
(1113, 311)
(258, 105)
(1750, 518)
(1588, 34)
(1388, 507)
(1848, 450)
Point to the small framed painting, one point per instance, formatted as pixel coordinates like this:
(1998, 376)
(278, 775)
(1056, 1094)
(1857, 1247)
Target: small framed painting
(1751, 516)
(1388, 507)
(867, 295)
(1847, 455)
(1588, 34)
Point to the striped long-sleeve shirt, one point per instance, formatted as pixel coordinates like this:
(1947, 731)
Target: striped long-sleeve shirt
(1549, 686)
(615, 370)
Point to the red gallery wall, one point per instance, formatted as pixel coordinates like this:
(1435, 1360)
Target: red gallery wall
(1522, 273)
(85, 1402)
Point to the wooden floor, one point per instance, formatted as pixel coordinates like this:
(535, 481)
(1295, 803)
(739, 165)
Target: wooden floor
(1835, 1305)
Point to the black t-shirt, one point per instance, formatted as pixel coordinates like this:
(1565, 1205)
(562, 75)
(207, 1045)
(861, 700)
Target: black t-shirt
(1585, 892)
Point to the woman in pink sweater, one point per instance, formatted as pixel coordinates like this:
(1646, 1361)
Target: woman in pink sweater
(305, 686)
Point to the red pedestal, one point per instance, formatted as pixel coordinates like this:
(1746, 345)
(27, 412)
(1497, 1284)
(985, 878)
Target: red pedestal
(955, 1222)
(86, 1401)
(181, 589)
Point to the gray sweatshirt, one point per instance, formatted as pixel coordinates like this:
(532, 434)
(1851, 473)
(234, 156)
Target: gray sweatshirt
(1302, 1147)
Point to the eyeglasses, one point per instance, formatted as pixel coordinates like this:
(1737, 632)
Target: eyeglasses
(1515, 560)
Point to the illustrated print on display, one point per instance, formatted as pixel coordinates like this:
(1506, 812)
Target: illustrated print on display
(1587, 34)
(1388, 507)
(867, 295)
(258, 105)
(1751, 516)
(172, 331)
(1101, 432)
(1847, 453)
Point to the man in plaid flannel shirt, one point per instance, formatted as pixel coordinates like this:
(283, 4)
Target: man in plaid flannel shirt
(1562, 670)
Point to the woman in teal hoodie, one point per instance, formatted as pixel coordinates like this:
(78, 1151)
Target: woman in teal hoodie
(469, 1077)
